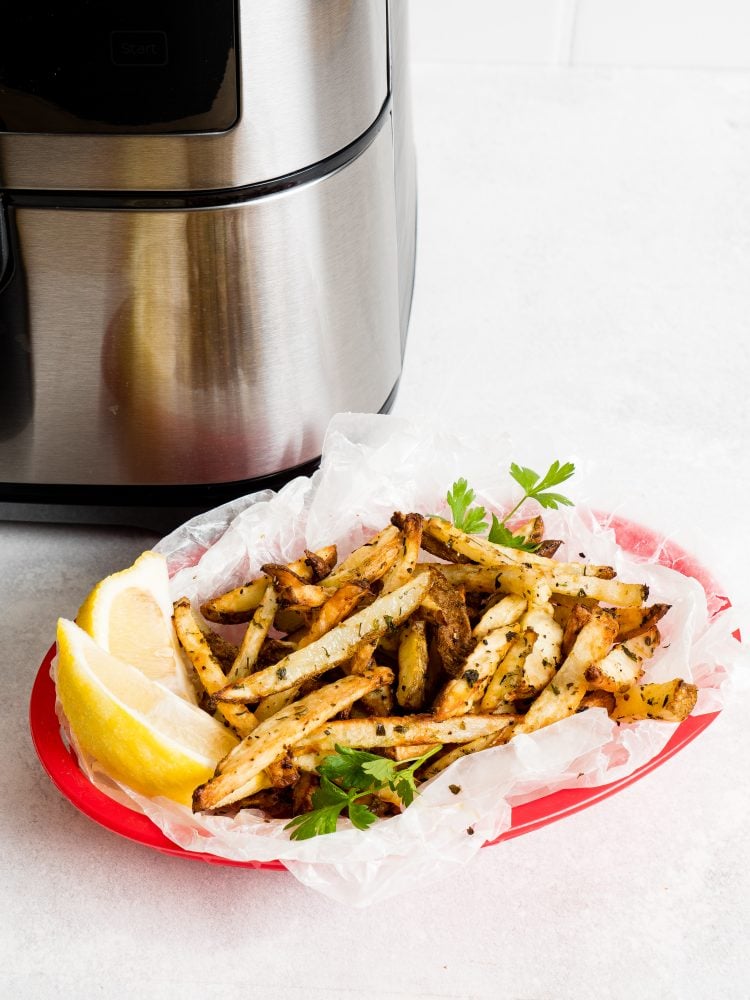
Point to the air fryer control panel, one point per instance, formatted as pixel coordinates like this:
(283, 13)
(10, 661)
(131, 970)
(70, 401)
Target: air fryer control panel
(118, 66)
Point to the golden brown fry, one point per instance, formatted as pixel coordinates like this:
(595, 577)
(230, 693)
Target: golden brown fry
(525, 581)
(544, 658)
(291, 620)
(672, 701)
(506, 611)
(446, 607)
(598, 699)
(254, 637)
(292, 590)
(489, 554)
(621, 667)
(578, 615)
(237, 771)
(206, 666)
(623, 595)
(340, 604)
(225, 652)
(400, 730)
(413, 660)
(531, 531)
(507, 682)
(461, 693)
(338, 645)
(633, 622)
(564, 693)
(548, 547)
(321, 562)
(369, 562)
(236, 605)
(283, 772)
(403, 568)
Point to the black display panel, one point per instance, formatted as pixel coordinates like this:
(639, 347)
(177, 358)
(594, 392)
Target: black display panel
(118, 66)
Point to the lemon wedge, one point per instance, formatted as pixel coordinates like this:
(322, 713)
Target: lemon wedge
(129, 614)
(140, 732)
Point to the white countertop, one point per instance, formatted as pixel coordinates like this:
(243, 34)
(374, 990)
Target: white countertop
(584, 251)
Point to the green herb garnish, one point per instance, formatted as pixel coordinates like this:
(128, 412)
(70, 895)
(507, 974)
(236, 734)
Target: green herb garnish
(349, 775)
(471, 519)
(467, 518)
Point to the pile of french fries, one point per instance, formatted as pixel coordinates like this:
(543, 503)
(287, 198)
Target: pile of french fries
(395, 652)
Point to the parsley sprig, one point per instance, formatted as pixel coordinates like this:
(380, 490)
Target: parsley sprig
(350, 775)
(472, 519)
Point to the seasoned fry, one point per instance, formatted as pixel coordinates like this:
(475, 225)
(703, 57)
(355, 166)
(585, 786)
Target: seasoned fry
(321, 563)
(544, 658)
(507, 683)
(206, 666)
(491, 555)
(254, 637)
(403, 568)
(401, 730)
(633, 622)
(446, 607)
(578, 615)
(413, 660)
(369, 562)
(338, 645)
(564, 693)
(224, 651)
(237, 771)
(531, 531)
(671, 702)
(341, 603)
(621, 667)
(623, 595)
(461, 693)
(507, 611)
(236, 605)
(293, 590)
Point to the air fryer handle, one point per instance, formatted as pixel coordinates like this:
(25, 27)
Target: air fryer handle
(16, 391)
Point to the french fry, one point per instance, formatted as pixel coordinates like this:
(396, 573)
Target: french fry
(206, 666)
(544, 658)
(403, 568)
(340, 604)
(507, 611)
(254, 637)
(562, 696)
(508, 678)
(400, 730)
(321, 562)
(489, 554)
(633, 622)
(446, 607)
(369, 562)
(622, 666)
(224, 651)
(241, 767)
(461, 693)
(293, 591)
(623, 595)
(236, 605)
(672, 701)
(413, 660)
(332, 649)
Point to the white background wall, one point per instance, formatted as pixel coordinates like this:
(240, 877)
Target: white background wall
(695, 34)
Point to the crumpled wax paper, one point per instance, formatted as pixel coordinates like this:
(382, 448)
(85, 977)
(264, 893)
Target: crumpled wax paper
(372, 466)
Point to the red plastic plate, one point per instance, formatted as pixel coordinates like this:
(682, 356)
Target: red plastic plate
(62, 767)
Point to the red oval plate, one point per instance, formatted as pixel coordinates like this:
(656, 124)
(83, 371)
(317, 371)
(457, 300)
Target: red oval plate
(62, 767)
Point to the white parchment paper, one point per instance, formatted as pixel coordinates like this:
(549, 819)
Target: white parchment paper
(373, 465)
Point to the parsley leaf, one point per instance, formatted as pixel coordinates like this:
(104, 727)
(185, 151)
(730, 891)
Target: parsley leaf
(361, 773)
(535, 487)
(465, 517)
(501, 535)
(346, 767)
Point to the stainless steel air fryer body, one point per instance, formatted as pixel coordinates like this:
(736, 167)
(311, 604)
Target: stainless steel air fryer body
(206, 236)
